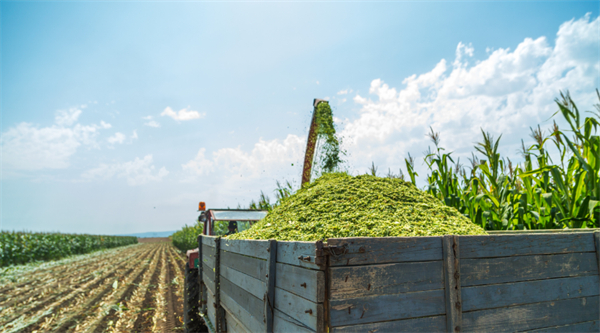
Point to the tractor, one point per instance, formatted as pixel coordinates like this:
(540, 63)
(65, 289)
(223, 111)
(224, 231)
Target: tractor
(217, 222)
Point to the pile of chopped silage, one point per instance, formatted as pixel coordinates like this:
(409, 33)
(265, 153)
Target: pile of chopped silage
(339, 205)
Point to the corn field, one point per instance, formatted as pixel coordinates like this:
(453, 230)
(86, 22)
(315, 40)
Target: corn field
(557, 186)
(187, 238)
(24, 247)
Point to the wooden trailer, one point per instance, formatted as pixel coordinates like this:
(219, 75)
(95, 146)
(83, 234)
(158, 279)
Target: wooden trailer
(542, 282)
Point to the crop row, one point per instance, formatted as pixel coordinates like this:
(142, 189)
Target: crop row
(136, 288)
(24, 247)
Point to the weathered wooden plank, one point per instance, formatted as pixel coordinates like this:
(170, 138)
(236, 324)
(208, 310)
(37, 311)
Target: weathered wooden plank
(208, 262)
(252, 323)
(210, 284)
(452, 283)
(532, 316)
(523, 244)
(209, 250)
(220, 316)
(245, 299)
(211, 298)
(208, 271)
(209, 240)
(384, 279)
(283, 323)
(417, 325)
(269, 303)
(364, 251)
(524, 268)
(233, 325)
(308, 313)
(288, 253)
(211, 311)
(306, 283)
(588, 326)
(201, 287)
(252, 248)
(203, 299)
(246, 282)
(250, 266)
(386, 307)
(508, 294)
(208, 256)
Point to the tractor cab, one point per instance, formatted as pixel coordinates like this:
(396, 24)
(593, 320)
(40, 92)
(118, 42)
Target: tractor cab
(222, 222)
(217, 221)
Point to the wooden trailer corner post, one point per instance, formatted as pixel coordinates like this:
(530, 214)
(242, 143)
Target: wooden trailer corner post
(270, 293)
(202, 305)
(221, 325)
(210, 280)
(597, 244)
(452, 284)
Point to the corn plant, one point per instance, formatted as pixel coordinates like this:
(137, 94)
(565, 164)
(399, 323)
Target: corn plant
(23, 247)
(539, 194)
(187, 238)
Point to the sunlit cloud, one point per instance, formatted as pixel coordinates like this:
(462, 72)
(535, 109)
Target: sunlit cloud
(183, 114)
(136, 172)
(30, 147)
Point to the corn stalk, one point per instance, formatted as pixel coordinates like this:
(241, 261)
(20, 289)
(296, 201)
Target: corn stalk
(499, 196)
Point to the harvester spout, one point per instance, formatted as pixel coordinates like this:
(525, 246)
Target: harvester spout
(311, 143)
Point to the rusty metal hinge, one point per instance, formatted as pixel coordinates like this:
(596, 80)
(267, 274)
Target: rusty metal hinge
(324, 250)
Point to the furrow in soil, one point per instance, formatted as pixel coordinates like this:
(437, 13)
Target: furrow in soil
(44, 314)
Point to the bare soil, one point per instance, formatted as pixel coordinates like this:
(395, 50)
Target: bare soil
(154, 239)
(138, 289)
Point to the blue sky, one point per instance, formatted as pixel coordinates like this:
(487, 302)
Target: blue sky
(119, 117)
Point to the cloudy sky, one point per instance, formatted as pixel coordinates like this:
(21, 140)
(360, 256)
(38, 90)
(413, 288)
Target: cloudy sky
(118, 117)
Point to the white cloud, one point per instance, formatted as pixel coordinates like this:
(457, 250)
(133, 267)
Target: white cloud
(137, 172)
(505, 93)
(117, 138)
(29, 147)
(344, 92)
(67, 117)
(183, 114)
(151, 122)
(232, 175)
(134, 136)
(266, 157)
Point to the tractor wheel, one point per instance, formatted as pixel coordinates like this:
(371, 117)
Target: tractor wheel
(191, 299)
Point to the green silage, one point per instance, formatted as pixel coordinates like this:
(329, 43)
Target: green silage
(339, 205)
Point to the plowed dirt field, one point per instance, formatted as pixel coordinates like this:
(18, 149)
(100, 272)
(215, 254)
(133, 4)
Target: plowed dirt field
(136, 288)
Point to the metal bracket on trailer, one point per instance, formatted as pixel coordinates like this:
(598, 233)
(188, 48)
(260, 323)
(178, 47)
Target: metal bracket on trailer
(323, 250)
